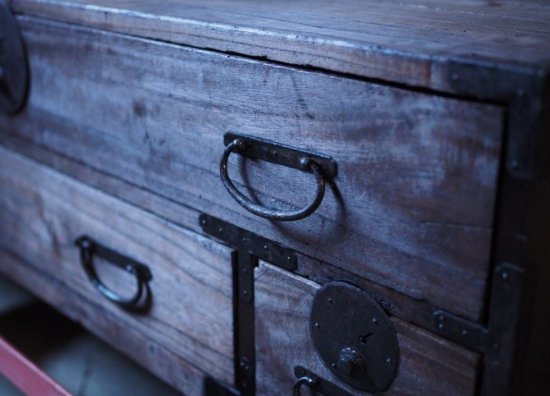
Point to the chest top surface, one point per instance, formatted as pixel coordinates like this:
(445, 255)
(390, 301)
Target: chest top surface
(415, 42)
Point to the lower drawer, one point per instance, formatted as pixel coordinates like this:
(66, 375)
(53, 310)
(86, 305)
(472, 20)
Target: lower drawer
(43, 353)
(182, 327)
(427, 364)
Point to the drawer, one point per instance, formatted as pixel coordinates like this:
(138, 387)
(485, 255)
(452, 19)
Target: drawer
(427, 364)
(411, 206)
(45, 354)
(182, 328)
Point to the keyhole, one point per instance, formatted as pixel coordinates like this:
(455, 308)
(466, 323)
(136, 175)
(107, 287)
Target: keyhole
(363, 338)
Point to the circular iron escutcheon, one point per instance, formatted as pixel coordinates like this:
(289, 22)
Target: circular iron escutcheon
(354, 337)
(13, 63)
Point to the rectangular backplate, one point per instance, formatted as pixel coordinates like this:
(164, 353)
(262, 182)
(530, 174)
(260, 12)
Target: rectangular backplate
(280, 154)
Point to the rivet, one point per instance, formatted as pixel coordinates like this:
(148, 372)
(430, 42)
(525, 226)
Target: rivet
(266, 247)
(389, 361)
(289, 259)
(514, 164)
(333, 365)
(245, 292)
(375, 321)
(454, 77)
(464, 332)
(220, 230)
(241, 145)
(317, 325)
(330, 301)
(504, 275)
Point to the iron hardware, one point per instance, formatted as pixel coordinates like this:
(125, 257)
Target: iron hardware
(317, 384)
(14, 74)
(464, 332)
(245, 240)
(245, 344)
(321, 166)
(505, 306)
(89, 248)
(354, 337)
(307, 381)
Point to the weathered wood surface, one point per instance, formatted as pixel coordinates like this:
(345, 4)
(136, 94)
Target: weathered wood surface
(43, 212)
(412, 205)
(399, 304)
(416, 42)
(25, 375)
(152, 355)
(428, 366)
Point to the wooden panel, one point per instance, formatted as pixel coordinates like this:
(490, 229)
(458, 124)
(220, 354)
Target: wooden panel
(412, 205)
(25, 375)
(428, 365)
(414, 42)
(42, 212)
(158, 359)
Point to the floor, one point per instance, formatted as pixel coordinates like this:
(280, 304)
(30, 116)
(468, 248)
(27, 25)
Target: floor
(81, 363)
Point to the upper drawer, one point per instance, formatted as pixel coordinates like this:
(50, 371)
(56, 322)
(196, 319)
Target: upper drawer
(412, 204)
(182, 327)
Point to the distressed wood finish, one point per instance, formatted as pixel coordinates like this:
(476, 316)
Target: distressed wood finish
(416, 42)
(155, 357)
(428, 366)
(411, 208)
(191, 311)
(25, 375)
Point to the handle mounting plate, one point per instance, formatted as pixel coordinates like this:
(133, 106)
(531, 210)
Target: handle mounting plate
(279, 154)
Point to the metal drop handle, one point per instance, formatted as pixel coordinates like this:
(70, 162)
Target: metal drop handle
(321, 167)
(89, 248)
(303, 381)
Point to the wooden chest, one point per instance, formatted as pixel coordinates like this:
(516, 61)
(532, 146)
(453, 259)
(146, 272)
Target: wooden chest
(263, 197)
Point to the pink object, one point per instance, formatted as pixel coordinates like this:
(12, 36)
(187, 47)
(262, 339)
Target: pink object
(25, 375)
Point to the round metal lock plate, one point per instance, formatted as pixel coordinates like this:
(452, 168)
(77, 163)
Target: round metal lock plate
(354, 337)
(13, 63)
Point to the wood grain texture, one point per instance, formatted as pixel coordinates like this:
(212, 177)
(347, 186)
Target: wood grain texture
(428, 366)
(191, 312)
(155, 357)
(415, 42)
(25, 375)
(403, 306)
(412, 205)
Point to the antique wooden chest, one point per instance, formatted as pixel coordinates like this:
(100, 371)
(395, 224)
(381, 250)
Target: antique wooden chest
(274, 198)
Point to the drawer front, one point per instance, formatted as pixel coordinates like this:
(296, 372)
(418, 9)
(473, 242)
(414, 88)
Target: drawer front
(427, 365)
(411, 207)
(190, 308)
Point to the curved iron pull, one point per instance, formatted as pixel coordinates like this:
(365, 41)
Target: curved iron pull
(320, 166)
(89, 248)
(318, 385)
(307, 381)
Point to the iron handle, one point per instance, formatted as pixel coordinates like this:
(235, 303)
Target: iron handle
(89, 248)
(319, 166)
(318, 385)
(303, 381)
